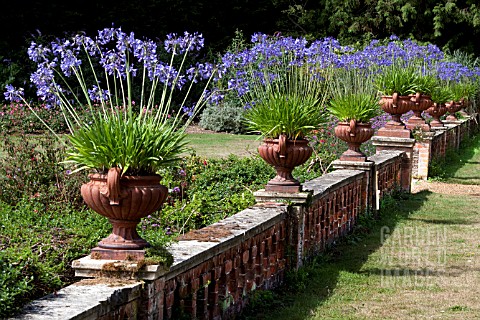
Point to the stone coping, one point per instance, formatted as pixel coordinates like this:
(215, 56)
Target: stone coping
(243, 225)
(353, 165)
(88, 267)
(330, 181)
(386, 156)
(393, 141)
(87, 299)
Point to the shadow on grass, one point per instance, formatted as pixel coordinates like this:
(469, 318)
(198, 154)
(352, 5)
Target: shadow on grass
(314, 284)
(446, 221)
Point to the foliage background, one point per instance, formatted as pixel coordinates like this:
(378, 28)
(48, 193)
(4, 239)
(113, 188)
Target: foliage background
(447, 23)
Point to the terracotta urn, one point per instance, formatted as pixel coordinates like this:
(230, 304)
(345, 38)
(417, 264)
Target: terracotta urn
(436, 111)
(284, 155)
(354, 134)
(124, 200)
(421, 103)
(452, 108)
(396, 106)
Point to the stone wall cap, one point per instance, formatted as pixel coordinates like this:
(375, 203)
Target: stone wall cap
(82, 300)
(243, 225)
(386, 156)
(332, 180)
(353, 165)
(393, 139)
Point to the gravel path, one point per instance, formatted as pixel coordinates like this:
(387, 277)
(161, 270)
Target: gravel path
(446, 188)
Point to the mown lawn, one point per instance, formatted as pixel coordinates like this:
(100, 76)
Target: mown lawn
(461, 166)
(221, 145)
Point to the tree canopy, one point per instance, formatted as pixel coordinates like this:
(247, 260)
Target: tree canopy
(450, 24)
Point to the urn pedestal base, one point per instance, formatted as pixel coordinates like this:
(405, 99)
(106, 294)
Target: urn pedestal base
(351, 155)
(394, 131)
(415, 123)
(270, 187)
(98, 253)
(436, 124)
(452, 117)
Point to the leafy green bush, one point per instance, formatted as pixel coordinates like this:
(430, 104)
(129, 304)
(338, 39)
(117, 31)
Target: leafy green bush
(37, 247)
(30, 168)
(224, 117)
(205, 191)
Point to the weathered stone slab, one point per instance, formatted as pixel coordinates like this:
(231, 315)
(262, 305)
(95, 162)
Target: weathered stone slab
(83, 300)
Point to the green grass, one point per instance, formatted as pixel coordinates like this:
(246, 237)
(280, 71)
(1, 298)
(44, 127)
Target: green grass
(221, 145)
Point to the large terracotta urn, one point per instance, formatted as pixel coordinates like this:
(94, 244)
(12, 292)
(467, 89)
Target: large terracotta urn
(436, 111)
(284, 155)
(421, 103)
(396, 106)
(354, 134)
(452, 108)
(124, 200)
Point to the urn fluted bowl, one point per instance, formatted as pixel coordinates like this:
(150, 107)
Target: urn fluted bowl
(436, 111)
(396, 105)
(354, 134)
(124, 200)
(284, 155)
(452, 108)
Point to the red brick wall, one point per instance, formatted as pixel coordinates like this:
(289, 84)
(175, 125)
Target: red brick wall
(333, 214)
(219, 286)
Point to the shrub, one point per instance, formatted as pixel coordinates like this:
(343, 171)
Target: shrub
(18, 118)
(31, 168)
(226, 116)
(205, 191)
(37, 247)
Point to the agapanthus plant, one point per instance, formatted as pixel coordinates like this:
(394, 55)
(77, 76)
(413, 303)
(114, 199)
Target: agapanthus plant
(397, 78)
(113, 70)
(282, 83)
(441, 94)
(353, 96)
(463, 90)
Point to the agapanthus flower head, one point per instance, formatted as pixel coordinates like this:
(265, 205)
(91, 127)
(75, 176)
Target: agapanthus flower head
(178, 45)
(13, 94)
(98, 94)
(100, 72)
